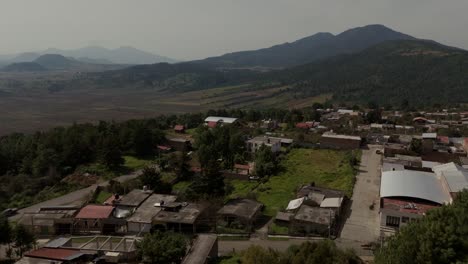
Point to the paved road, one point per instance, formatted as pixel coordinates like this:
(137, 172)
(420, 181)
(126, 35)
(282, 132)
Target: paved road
(73, 198)
(363, 224)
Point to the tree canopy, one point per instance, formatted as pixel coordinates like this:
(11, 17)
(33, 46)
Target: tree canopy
(162, 248)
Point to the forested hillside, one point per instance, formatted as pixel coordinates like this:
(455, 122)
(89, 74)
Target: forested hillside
(309, 49)
(421, 72)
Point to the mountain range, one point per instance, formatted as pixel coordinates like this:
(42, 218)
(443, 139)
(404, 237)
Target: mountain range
(94, 55)
(361, 64)
(309, 49)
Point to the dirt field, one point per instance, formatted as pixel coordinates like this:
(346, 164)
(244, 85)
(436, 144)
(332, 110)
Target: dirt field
(32, 110)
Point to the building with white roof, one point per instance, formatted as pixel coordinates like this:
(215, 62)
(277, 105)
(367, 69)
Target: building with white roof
(409, 194)
(220, 119)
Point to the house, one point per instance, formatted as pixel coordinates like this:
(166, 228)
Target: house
(408, 194)
(239, 214)
(142, 218)
(179, 144)
(203, 250)
(86, 249)
(214, 121)
(334, 141)
(422, 121)
(49, 221)
(428, 142)
(305, 125)
(255, 143)
(240, 172)
(96, 219)
(312, 220)
(316, 211)
(285, 142)
(179, 129)
(181, 217)
(56, 256)
(125, 206)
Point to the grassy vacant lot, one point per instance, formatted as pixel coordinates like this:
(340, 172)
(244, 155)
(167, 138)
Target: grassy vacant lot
(134, 163)
(327, 168)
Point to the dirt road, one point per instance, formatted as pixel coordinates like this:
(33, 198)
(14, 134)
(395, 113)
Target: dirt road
(73, 198)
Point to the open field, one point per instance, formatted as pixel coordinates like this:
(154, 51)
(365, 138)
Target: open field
(30, 107)
(327, 168)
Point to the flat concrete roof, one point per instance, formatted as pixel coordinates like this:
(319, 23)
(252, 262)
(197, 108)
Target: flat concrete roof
(244, 208)
(186, 215)
(134, 198)
(147, 210)
(317, 215)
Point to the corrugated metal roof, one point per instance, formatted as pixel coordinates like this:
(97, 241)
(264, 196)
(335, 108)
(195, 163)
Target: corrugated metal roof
(227, 120)
(415, 184)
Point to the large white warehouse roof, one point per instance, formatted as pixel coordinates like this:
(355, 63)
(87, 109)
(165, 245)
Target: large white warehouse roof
(227, 120)
(413, 184)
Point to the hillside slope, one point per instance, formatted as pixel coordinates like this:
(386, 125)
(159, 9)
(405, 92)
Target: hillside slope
(309, 49)
(421, 72)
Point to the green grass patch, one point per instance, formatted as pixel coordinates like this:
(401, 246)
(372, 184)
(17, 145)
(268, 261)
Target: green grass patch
(327, 168)
(168, 176)
(241, 189)
(134, 163)
(102, 197)
(275, 229)
(234, 259)
(181, 186)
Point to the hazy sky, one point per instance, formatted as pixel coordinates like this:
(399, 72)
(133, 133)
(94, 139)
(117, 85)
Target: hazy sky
(189, 29)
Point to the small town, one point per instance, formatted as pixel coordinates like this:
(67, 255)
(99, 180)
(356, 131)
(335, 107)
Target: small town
(312, 180)
(233, 132)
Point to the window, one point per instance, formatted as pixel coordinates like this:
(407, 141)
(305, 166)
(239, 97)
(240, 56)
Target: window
(393, 221)
(405, 219)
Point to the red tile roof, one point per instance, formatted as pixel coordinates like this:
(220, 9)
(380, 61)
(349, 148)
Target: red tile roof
(60, 254)
(414, 207)
(443, 139)
(95, 212)
(164, 148)
(212, 124)
(179, 128)
(304, 125)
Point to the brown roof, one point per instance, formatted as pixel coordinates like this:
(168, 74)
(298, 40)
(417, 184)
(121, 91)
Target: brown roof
(60, 254)
(95, 212)
(179, 128)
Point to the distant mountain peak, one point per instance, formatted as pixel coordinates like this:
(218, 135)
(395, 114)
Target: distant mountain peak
(317, 46)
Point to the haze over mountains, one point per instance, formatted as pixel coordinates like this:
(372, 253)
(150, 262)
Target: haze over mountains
(371, 63)
(93, 54)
